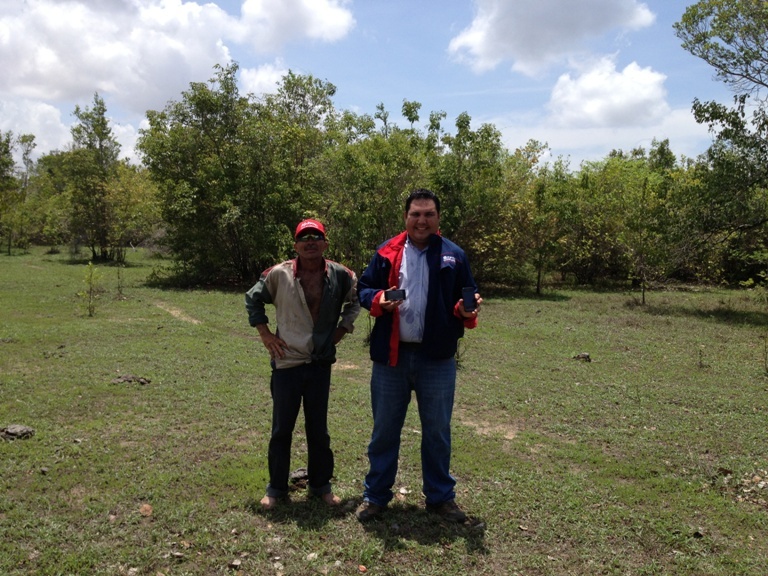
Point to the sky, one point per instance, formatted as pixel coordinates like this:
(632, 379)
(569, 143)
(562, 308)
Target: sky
(582, 76)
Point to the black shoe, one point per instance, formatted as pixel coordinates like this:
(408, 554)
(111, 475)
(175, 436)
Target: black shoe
(448, 510)
(368, 511)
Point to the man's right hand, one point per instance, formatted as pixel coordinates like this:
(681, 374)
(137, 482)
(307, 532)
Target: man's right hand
(388, 305)
(274, 344)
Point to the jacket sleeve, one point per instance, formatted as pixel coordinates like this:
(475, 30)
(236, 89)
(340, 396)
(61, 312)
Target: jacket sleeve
(351, 306)
(255, 299)
(372, 281)
(468, 280)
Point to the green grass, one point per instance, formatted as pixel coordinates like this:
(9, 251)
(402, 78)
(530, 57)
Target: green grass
(648, 460)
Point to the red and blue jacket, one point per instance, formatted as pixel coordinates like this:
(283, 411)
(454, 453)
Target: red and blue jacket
(449, 272)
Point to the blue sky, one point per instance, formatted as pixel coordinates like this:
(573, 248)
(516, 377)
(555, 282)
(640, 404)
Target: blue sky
(583, 76)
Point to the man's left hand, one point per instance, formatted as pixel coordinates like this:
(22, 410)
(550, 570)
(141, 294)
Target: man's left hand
(473, 314)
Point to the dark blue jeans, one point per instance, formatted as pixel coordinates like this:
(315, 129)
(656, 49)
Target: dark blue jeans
(308, 384)
(434, 382)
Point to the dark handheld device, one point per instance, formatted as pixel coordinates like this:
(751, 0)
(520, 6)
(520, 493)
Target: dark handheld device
(394, 294)
(468, 295)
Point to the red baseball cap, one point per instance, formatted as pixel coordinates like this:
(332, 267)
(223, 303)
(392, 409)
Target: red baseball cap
(309, 224)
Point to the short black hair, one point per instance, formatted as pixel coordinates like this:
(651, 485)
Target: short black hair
(422, 194)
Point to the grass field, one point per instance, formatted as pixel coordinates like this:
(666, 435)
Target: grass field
(651, 459)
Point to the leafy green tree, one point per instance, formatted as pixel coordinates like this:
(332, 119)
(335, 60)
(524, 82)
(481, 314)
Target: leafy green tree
(89, 209)
(596, 208)
(133, 202)
(730, 36)
(383, 115)
(549, 187)
(503, 246)
(732, 179)
(411, 111)
(716, 232)
(435, 133)
(9, 187)
(235, 174)
(293, 128)
(92, 132)
(195, 152)
(15, 217)
(91, 164)
(364, 186)
(642, 232)
(468, 174)
(49, 200)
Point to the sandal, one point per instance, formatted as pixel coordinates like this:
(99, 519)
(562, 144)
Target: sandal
(268, 502)
(331, 499)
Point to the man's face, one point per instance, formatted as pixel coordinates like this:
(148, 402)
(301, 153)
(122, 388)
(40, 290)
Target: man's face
(310, 245)
(421, 221)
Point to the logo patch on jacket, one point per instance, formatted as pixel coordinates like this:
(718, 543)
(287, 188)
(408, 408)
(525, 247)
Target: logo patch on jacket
(449, 259)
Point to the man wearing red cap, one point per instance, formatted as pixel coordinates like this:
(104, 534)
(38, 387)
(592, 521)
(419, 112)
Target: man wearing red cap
(316, 304)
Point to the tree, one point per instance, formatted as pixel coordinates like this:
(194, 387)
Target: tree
(383, 115)
(549, 187)
(503, 243)
(9, 196)
(134, 208)
(364, 186)
(731, 36)
(236, 174)
(469, 176)
(91, 165)
(48, 200)
(15, 215)
(411, 111)
(195, 152)
(93, 133)
(596, 206)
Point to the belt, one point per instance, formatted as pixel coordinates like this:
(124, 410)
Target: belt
(410, 345)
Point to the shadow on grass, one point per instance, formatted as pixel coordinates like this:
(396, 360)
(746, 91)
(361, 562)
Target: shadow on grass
(724, 314)
(506, 293)
(398, 523)
(307, 514)
(412, 523)
(83, 261)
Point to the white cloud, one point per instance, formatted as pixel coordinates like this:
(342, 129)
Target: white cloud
(127, 135)
(262, 80)
(594, 107)
(39, 119)
(605, 97)
(138, 54)
(536, 33)
(269, 24)
(687, 138)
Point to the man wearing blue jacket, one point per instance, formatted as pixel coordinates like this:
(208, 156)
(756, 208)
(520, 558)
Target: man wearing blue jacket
(413, 347)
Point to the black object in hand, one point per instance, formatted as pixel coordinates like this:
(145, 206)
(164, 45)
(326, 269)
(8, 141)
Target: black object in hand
(468, 295)
(394, 294)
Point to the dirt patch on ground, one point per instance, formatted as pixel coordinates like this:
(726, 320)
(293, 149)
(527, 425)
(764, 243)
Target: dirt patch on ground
(176, 313)
(507, 430)
(345, 366)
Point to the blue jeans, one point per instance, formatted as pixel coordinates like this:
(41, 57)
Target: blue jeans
(311, 384)
(434, 382)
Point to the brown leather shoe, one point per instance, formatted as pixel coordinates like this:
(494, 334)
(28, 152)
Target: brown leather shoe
(448, 510)
(368, 511)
